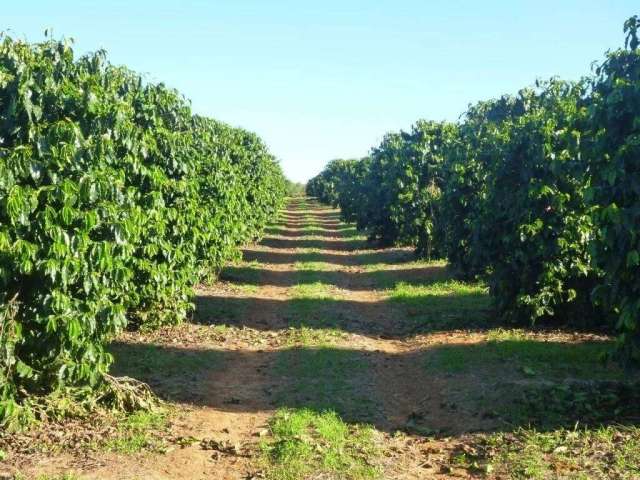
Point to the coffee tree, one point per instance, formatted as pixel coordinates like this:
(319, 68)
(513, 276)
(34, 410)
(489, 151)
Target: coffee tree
(115, 201)
(614, 155)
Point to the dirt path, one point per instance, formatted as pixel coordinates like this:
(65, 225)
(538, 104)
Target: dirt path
(260, 301)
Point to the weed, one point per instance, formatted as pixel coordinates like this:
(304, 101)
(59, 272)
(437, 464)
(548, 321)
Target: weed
(515, 352)
(327, 378)
(607, 452)
(135, 433)
(442, 305)
(305, 442)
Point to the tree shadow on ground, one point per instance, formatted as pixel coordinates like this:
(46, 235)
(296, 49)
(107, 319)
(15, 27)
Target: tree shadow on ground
(310, 218)
(387, 318)
(346, 245)
(326, 224)
(331, 226)
(359, 258)
(358, 281)
(347, 232)
(495, 393)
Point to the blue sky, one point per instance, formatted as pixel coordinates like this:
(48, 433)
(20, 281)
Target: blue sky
(326, 79)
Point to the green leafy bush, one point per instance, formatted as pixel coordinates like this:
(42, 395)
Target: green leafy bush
(466, 183)
(534, 227)
(614, 154)
(395, 193)
(325, 185)
(114, 203)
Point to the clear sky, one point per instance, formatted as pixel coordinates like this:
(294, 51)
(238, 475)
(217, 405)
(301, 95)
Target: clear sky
(326, 79)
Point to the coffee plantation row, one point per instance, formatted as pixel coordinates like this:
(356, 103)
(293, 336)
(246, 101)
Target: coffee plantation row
(115, 201)
(538, 193)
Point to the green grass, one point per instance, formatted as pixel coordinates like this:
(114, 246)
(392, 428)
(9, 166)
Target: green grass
(246, 288)
(327, 378)
(309, 276)
(418, 274)
(243, 272)
(515, 351)
(312, 271)
(306, 336)
(345, 231)
(311, 266)
(351, 232)
(135, 433)
(409, 264)
(313, 306)
(442, 305)
(522, 379)
(304, 443)
(214, 309)
(313, 290)
(311, 309)
(311, 254)
(607, 452)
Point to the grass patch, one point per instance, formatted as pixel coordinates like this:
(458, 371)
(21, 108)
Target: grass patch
(304, 443)
(313, 306)
(303, 267)
(321, 243)
(421, 273)
(63, 476)
(214, 310)
(135, 433)
(344, 231)
(310, 254)
(246, 288)
(305, 336)
(442, 305)
(141, 360)
(607, 452)
(243, 273)
(313, 290)
(326, 378)
(351, 232)
(586, 403)
(409, 264)
(534, 380)
(515, 351)
(309, 276)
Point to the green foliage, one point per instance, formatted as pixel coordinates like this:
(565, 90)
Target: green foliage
(532, 226)
(114, 202)
(395, 193)
(405, 185)
(326, 186)
(466, 182)
(294, 189)
(614, 153)
(304, 442)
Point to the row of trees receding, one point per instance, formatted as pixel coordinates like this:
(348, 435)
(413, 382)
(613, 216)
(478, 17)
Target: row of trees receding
(538, 193)
(115, 201)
